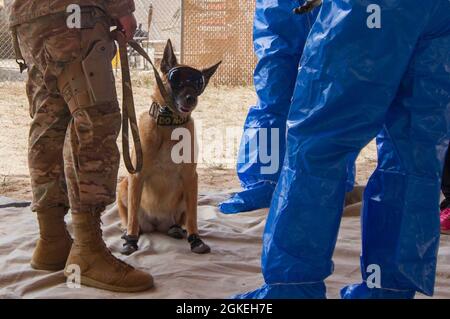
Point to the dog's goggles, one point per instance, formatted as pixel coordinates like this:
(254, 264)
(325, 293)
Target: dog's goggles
(184, 76)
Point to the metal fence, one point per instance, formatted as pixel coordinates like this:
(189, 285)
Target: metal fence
(202, 31)
(161, 17)
(8, 66)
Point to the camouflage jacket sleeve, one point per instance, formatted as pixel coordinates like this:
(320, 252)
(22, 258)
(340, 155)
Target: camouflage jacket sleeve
(119, 8)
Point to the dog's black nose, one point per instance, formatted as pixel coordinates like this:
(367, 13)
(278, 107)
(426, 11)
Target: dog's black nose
(191, 100)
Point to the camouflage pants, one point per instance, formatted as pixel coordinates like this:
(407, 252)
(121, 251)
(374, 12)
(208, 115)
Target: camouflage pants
(73, 155)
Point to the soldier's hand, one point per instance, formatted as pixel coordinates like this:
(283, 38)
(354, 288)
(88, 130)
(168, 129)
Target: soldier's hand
(128, 26)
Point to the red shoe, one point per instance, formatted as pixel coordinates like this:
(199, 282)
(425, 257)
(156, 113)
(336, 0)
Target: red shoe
(445, 221)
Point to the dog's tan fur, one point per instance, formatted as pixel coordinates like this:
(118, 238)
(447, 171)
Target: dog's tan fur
(163, 190)
(163, 194)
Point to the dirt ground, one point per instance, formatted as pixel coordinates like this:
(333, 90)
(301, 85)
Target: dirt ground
(220, 115)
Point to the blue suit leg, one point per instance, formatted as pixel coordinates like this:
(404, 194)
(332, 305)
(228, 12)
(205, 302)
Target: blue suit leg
(401, 201)
(279, 38)
(348, 80)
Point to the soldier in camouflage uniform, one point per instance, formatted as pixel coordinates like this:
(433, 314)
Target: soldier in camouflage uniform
(73, 156)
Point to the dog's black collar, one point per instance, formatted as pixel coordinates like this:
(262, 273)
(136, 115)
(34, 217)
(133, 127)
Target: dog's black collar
(165, 117)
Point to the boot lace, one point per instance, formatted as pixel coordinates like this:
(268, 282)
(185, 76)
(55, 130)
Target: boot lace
(97, 222)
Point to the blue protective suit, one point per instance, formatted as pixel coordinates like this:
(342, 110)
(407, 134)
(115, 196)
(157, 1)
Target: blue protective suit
(279, 39)
(355, 81)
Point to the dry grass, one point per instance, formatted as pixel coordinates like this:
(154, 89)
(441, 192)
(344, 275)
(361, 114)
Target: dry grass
(221, 109)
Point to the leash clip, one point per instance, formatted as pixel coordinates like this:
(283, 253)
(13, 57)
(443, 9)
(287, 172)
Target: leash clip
(22, 65)
(18, 53)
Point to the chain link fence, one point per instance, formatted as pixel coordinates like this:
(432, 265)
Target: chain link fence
(158, 20)
(202, 32)
(8, 66)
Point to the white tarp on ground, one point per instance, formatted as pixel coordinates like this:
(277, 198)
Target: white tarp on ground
(233, 266)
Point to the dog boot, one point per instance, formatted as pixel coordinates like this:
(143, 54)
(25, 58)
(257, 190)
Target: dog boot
(177, 232)
(131, 244)
(54, 243)
(197, 245)
(97, 266)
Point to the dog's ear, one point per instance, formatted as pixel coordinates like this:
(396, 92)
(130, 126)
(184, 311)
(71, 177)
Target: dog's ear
(169, 59)
(209, 72)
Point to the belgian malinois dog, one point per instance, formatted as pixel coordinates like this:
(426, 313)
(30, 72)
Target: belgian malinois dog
(163, 196)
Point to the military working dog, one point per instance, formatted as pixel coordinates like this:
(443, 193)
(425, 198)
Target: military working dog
(163, 196)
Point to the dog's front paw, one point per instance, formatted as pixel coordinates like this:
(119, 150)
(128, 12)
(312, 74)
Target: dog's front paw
(197, 245)
(130, 246)
(176, 232)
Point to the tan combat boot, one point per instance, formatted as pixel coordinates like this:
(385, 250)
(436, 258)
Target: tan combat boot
(98, 267)
(54, 243)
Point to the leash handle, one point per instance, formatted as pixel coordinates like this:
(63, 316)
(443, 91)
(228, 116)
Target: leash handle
(128, 110)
